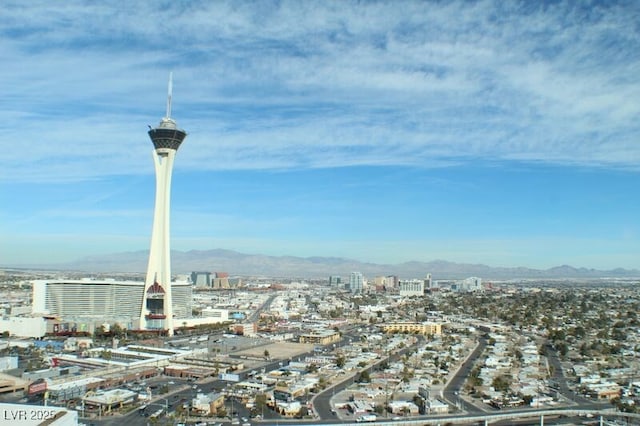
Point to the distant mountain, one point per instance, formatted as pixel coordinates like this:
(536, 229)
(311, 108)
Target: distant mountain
(236, 263)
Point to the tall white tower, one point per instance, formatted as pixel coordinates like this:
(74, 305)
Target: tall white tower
(157, 309)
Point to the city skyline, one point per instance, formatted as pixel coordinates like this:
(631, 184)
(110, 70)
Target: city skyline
(476, 132)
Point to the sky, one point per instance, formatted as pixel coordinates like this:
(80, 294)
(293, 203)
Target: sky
(503, 133)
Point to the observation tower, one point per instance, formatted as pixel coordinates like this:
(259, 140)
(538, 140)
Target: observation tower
(157, 308)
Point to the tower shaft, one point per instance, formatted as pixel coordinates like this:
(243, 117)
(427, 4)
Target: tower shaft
(158, 278)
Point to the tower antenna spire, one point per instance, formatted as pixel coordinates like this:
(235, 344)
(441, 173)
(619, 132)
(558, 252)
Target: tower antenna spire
(170, 90)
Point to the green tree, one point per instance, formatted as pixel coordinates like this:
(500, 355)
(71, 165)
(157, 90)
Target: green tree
(502, 383)
(261, 402)
(364, 377)
(116, 330)
(99, 332)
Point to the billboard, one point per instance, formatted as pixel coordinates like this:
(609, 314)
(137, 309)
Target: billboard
(37, 387)
(227, 377)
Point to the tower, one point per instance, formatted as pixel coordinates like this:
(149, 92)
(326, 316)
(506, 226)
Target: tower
(157, 309)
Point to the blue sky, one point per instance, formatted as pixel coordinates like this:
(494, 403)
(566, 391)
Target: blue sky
(504, 133)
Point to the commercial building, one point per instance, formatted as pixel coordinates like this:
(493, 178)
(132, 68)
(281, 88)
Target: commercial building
(410, 288)
(86, 304)
(413, 327)
(12, 384)
(201, 279)
(24, 326)
(470, 284)
(324, 337)
(106, 401)
(207, 404)
(356, 282)
(335, 281)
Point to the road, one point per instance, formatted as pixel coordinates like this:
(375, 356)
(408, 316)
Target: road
(453, 388)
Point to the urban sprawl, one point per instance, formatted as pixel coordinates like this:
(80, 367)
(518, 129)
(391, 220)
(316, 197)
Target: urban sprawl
(350, 349)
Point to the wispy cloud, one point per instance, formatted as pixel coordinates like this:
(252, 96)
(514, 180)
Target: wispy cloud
(262, 85)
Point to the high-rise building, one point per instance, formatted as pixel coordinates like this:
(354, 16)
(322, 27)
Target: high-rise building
(412, 288)
(392, 281)
(356, 282)
(428, 282)
(157, 310)
(201, 279)
(85, 304)
(380, 283)
(335, 281)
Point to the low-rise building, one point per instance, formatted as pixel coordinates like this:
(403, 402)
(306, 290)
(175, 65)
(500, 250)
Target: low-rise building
(106, 401)
(435, 406)
(426, 328)
(323, 337)
(403, 407)
(207, 404)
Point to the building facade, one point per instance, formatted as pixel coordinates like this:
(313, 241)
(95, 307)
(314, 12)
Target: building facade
(356, 282)
(93, 302)
(413, 327)
(410, 288)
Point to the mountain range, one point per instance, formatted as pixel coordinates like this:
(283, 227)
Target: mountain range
(242, 264)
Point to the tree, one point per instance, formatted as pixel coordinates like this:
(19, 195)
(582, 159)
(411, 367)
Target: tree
(304, 411)
(562, 348)
(266, 354)
(99, 332)
(116, 330)
(340, 361)
(322, 383)
(406, 374)
(502, 383)
(364, 377)
(261, 402)
(221, 411)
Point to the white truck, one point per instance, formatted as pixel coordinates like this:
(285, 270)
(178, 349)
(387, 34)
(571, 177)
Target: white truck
(366, 418)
